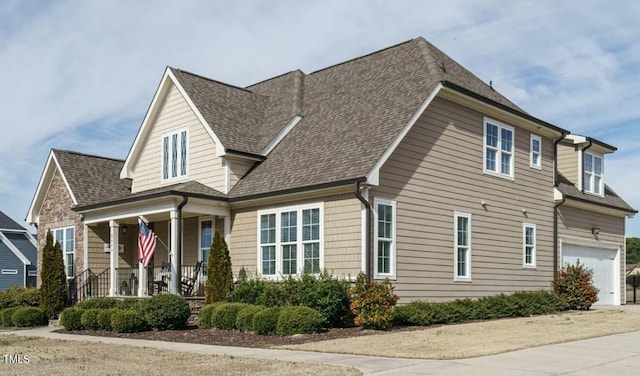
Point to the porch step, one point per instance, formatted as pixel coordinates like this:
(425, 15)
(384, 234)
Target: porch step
(195, 304)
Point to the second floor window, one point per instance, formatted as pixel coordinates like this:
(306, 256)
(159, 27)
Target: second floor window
(498, 149)
(174, 155)
(592, 180)
(536, 147)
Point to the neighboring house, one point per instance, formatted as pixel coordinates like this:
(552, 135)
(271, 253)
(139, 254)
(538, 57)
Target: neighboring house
(400, 163)
(17, 255)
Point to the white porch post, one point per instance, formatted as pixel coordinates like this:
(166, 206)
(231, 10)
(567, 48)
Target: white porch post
(227, 231)
(174, 287)
(142, 273)
(114, 240)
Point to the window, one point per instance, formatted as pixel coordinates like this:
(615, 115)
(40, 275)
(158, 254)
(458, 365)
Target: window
(498, 149)
(206, 238)
(66, 238)
(536, 147)
(174, 155)
(462, 245)
(593, 170)
(290, 240)
(9, 271)
(529, 245)
(385, 223)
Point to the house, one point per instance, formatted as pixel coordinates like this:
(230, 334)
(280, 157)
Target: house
(400, 163)
(17, 255)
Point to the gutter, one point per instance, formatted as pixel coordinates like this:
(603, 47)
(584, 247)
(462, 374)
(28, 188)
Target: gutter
(556, 206)
(178, 259)
(367, 253)
(583, 163)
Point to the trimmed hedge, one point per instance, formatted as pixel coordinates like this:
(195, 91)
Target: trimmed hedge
(299, 320)
(204, 316)
(104, 318)
(134, 304)
(224, 316)
(266, 321)
(71, 318)
(127, 321)
(244, 320)
(19, 297)
(5, 316)
(28, 316)
(167, 311)
(89, 318)
(100, 303)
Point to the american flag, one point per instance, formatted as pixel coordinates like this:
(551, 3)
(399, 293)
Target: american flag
(146, 244)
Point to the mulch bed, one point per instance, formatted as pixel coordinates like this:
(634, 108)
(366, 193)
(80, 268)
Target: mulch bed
(233, 337)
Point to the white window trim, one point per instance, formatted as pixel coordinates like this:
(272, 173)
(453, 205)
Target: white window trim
(213, 233)
(393, 256)
(456, 277)
(534, 252)
(500, 126)
(532, 153)
(10, 271)
(63, 245)
(179, 156)
(299, 242)
(592, 174)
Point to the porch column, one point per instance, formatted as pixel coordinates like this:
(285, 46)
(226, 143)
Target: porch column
(227, 231)
(176, 258)
(114, 232)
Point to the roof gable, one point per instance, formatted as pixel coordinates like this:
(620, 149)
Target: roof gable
(6, 223)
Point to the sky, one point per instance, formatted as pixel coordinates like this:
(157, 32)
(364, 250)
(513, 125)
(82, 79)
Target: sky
(80, 75)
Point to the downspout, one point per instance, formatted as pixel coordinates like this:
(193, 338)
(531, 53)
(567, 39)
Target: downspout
(556, 206)
(582, 172)
(367, 253)
(178, 260)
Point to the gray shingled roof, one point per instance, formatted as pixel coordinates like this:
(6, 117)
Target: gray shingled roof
(6, 223)
(610, 199)
(91, 178)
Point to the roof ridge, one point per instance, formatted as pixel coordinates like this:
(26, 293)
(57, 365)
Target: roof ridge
(211, 79)
(86, 154)
(275, 77)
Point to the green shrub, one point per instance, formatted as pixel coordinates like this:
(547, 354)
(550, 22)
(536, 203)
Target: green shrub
(219, 275)
(135, 304)
(266, 321)
(575, 285)
(71, 318)
(244, 320)
(5, 316)
(89, 318)
(99, 303)
(224, 316)
(20, 297)
(248, 291)
(167, 311)
(372, 302)
(104, 318)
(127, 321)
(273, 295)
(204, 316)
(299, 320)
(28, 316)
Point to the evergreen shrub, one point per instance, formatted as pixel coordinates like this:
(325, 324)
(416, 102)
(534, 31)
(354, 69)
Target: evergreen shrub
(28, 316)
(167, 311)
(71, 318)
(299, 320)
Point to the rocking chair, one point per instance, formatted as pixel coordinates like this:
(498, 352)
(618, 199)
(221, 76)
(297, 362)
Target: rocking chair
(188, 283)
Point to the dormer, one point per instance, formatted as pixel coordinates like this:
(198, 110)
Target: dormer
(581, 161)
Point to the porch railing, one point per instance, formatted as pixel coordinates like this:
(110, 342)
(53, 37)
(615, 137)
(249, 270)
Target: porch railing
(88, 285)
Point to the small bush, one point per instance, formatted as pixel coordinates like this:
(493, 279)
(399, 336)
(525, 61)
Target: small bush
(265, 322)
(139, 305)
(127, 321)
(104, 318)
(28, 316)
(244, 320)
(575, 285)
(248, 291)
(5, 316)
(99, 303)
(89, 318)
(71, 318)
(299, 320)
(225, 315)
(371, 303)
(167, 311)
(204, 316)
(19, 297)
(273, 295)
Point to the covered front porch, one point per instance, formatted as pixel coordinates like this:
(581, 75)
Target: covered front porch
(184, 225)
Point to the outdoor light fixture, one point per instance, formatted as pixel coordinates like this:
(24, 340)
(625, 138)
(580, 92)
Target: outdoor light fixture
(124, 229)
(595, 230)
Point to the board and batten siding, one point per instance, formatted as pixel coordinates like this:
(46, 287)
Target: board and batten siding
(568, 162)
(203, 164)
(342, 235)
(438, 169)
(576, 223)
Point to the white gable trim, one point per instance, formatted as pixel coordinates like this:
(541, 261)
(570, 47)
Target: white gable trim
(33, 215)
(373, 177)
(15, 250)
(282, 134)
(168, 80)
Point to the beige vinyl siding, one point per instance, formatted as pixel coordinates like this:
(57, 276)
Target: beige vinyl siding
(342, 239)
(203, 164)
(237, 169)
(577, 223)
(568, 162)
(438, 169)
(99, 235)
(190, 240)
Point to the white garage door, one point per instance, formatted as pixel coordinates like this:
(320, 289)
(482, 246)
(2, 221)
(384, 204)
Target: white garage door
(602, 262)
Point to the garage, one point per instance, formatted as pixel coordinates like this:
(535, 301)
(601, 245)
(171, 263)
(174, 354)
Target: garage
(603, 263)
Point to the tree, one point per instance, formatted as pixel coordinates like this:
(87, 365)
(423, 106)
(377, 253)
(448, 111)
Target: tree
(633, 250)
(219, 277)
(53, 291)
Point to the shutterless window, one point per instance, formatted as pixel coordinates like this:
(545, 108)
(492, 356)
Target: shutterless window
(593, 172)
(66, 238)
(529, 244)
(174, 155)
(536, 147)
(311, 240)
(462, 243)
(268, 244)
(498, 149)
(9, 271)
(385, 238)
(206, 238)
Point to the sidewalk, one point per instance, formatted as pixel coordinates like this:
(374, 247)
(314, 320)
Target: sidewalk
(616, 354)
